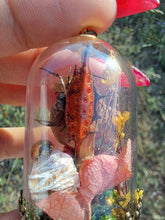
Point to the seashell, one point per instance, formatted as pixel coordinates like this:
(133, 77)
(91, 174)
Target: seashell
(57, 173)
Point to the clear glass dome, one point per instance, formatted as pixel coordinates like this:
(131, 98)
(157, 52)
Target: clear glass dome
(80, 145)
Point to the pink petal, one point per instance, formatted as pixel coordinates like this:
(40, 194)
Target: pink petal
(102, 172)
(62, 205)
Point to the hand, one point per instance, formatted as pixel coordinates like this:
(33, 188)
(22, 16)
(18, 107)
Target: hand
(26, 25)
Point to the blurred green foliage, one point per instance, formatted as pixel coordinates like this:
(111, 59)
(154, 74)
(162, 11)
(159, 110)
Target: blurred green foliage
(142, 39)
(11, 116)
(11, 171)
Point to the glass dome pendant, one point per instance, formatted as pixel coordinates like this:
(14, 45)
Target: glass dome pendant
(80, 144)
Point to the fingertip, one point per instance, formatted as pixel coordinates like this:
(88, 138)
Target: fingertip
(12, 215)
(31, 24)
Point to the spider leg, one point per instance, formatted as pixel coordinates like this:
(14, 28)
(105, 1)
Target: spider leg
(57, 75)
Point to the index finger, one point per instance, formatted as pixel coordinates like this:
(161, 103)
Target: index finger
(29, 24)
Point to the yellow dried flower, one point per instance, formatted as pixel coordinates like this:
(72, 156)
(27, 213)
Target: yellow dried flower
(110, 200)
(120, 120)
(118, 213)
(123, 201)
(138, 194)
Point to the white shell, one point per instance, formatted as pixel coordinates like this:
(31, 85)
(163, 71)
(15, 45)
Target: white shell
(57, 173)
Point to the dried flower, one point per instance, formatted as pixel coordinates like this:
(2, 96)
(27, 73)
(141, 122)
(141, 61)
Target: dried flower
(119, 122)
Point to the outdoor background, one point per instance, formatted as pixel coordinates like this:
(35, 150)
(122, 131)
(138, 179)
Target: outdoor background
(142, 39)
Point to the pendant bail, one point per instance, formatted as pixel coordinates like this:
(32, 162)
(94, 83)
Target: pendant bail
(88, 32)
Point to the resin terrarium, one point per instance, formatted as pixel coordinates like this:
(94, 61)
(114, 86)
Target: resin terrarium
(80, 147)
